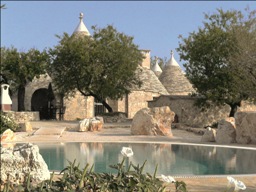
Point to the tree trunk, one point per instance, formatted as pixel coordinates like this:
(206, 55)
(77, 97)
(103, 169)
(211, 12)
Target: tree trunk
(110, 110)
(21, 98)
(105, 104)
(234, 108)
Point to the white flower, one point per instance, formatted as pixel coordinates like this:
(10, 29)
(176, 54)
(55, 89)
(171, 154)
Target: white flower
(239, 185)
(168, 179)
(127, 152)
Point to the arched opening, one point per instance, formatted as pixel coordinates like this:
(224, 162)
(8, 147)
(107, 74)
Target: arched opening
(39, 102)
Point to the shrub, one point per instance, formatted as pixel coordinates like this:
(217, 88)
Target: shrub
(7, 122)
(127, 179)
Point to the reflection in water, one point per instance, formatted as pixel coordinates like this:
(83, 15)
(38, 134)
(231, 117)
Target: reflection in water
(171, 159)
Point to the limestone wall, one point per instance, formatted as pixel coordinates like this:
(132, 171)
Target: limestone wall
(118, 105)
(247, 106)
(187, 113)
(37, 83)
(113, 104)
(20, 117)
(138, 100)
(78, 107)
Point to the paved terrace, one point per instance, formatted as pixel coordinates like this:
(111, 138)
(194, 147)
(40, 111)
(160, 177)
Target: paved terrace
(63, 131)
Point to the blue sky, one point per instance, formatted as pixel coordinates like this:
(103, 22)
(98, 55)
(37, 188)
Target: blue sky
(155, 25)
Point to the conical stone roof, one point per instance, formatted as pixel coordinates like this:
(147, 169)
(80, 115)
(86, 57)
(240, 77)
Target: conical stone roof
(174, 80)
(81, 28)
(150, 82)
(156, 68)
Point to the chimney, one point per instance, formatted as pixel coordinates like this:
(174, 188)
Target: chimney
(5, 101)
(146, 61)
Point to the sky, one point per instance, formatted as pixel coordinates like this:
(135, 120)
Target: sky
(155, 25)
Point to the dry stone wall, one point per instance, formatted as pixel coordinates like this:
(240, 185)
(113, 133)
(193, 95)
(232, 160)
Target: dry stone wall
(189, 114)
(138, 100)
(21, 117)
(37, 83)
(78, 107)
(247, 106)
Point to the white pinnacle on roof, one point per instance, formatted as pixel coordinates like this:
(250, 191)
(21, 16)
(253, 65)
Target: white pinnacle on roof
(156, 67)
(81, 28)
(172, 61)
(174, 80)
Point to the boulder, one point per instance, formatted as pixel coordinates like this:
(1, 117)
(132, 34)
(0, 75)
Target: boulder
(95, 125)
(226, 132)
(84, 125)
(7, 135)
(209, 135)
(22, 160)
(101, 119)
(26, 126)
(246, 127)
(91, 124)
(153, 121)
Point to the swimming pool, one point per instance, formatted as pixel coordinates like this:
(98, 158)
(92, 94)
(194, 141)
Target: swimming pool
(172, 159)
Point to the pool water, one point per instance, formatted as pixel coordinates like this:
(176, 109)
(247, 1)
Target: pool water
(172, 159)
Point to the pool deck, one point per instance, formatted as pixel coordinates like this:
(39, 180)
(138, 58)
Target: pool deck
(63, 131)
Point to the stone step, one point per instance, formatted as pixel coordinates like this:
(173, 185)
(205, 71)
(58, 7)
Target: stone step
(50, 131)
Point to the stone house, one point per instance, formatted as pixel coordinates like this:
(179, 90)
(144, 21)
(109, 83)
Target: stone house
(161, 87)
(40, 94)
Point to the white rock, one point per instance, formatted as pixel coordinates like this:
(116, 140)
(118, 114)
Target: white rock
(226, 132)
(246, 127)
(153, 121)
(21, 161)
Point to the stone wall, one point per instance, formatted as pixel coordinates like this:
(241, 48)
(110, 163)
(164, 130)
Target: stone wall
(118, 105)
(21, 117)
(138, 100)
(78, 107)
(37, 83)
(187, 113)
(247, 106)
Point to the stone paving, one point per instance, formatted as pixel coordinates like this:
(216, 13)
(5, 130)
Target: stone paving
(64, 131)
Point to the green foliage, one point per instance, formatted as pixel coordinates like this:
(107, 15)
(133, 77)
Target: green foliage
(216, 58)
(102, 66)
(20, 68)
(128, 179)
(7, 122)
(180, 186)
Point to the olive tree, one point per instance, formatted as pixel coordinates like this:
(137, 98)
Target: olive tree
(102, 65)
(217, 61)
(20, 68)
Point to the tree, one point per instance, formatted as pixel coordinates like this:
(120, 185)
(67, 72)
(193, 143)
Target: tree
(19, 68)
(216, 59)
(244, 60)
(102, 66)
